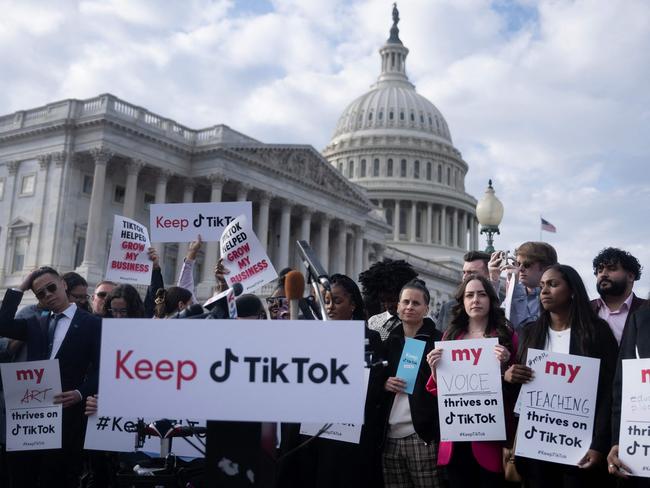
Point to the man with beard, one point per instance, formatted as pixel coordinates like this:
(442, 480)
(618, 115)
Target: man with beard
(616, 271)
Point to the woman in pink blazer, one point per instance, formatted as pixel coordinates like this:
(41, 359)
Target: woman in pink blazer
(477, 315)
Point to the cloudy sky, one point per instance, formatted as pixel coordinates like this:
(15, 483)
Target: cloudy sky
(550, 99)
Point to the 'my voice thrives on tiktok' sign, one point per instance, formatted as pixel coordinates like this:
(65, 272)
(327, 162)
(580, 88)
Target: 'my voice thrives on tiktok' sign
(220, 369)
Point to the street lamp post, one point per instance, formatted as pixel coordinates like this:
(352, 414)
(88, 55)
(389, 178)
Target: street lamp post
(489, 211)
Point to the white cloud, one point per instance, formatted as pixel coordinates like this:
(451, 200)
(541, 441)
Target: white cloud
(547, 97)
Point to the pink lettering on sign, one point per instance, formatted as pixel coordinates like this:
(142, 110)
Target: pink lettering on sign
(466, 355)
(164, 370)
(562, 369)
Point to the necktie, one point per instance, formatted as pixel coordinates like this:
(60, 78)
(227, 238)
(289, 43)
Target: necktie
(51, 328)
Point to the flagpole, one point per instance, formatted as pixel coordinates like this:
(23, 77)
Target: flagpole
(540, 229)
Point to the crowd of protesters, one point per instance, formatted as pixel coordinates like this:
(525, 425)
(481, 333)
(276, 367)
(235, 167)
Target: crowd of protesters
(400, 442)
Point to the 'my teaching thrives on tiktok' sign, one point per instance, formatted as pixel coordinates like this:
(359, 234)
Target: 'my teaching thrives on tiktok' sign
(212, 369)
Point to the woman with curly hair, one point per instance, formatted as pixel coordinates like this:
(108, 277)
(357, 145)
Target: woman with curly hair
(123, 302)
(477, 315)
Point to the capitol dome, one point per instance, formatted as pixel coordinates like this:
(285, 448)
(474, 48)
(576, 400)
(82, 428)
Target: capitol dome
(396, 144)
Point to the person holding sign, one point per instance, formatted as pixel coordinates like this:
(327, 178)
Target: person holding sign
(569, 325)
(412, 432)
(72, 336)
(332, 463)
(635, 344)
(476, 316)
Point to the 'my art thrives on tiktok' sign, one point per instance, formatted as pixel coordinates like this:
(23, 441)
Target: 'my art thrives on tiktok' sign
(219, 369)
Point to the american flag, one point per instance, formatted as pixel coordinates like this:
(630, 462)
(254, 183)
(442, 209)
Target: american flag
(547, 226)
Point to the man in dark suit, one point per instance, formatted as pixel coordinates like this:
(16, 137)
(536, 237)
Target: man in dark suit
(72, 336)
(616, 271)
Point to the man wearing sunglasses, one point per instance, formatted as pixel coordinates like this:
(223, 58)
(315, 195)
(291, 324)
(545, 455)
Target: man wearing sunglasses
(72, 336)
(531, 260)
(102, 290)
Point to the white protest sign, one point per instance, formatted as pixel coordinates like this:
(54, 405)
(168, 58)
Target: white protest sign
(221, 369)
(245, 257)
(182, 222)
(128, 261)
(33, 421)
(557, 407)
(338, 432)
(231, 300)
(470, 401)
(118, 434)
(634, 438)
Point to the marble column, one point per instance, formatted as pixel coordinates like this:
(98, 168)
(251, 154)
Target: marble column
(305, 225)
(242, 192)
(358, 253)
(6, 211)
(428, 238)
(324, 241)
(414, 217)
(443, 226)
(463, 241)
(31, 259)
(436, 225)
(188, 197)
(340, 248)
(133, 169)
(366, 255)
(205, 288)
(161, 186)
(454, 229)
(396, 222)
(285, 233)
(88, 267)
(262, 230)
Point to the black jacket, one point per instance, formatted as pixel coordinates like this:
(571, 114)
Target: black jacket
(79, 353)
(424, 406)
(635, 336)
(603, 346)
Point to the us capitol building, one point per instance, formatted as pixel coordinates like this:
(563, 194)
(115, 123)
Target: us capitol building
(389, 184)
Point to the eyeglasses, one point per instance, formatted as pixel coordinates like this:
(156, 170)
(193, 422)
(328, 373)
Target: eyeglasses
(524, 264)
(40, 294)
(118, 311)
(101, 294)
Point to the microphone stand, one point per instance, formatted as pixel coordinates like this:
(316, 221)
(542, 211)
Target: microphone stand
(313, 281)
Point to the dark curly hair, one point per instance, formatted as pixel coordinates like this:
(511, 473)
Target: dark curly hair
(167, 300)
(497, 325)
(134, 305)
(613, 255)
(388, 277)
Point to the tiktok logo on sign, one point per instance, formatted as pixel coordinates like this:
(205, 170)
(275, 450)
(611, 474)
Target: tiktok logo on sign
(272, 370)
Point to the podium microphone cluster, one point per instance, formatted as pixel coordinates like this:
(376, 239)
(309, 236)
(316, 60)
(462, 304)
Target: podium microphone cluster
(294, 288)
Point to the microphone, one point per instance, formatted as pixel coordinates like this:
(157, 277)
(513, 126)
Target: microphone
(218, 306)
(313, 264)
(294, 288)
